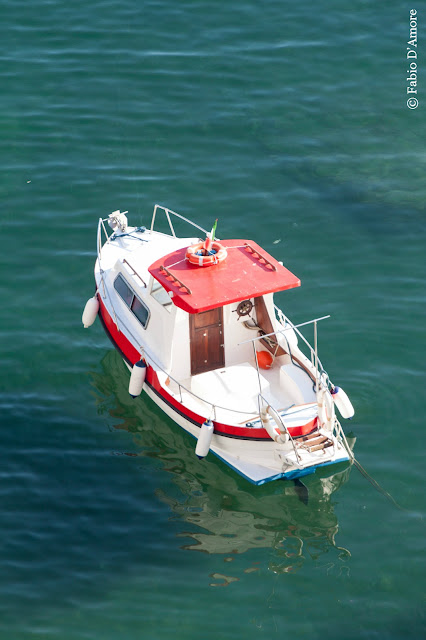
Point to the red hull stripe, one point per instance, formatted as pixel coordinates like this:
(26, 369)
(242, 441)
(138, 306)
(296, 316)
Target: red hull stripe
(117, 337)
(131, 355)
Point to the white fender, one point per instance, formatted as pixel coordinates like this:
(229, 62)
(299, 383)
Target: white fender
(90, 312)
(137, 378)
(274, 432)
(204, 439)
(343, 403)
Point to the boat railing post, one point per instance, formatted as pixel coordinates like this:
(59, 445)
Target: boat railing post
(341, 433)
(259, 397)
(154, 213)
(101, 222)
(316, 355)
(99, 242)
(290, 437)
(170, 222)
(257, 369)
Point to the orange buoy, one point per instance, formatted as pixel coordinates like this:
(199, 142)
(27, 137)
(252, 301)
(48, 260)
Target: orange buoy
(264, 359)
(203, 254)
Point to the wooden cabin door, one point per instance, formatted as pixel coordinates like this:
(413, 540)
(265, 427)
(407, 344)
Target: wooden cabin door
(206, 339)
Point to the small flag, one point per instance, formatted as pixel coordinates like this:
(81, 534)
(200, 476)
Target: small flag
(214, 230)
(210, 239)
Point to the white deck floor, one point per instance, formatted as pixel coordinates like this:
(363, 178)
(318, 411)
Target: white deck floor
(234, 390)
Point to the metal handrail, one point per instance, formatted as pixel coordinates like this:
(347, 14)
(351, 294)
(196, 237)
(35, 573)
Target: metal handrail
(173, 213)
(100, 227)
(135, 272)
(267, 335)
(282, 318)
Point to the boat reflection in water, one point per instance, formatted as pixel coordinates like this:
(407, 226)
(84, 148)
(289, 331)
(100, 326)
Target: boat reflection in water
(222, 512)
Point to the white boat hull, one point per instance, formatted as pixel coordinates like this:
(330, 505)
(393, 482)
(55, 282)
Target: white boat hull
(188, 326)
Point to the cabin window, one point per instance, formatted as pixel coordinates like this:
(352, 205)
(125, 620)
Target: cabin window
(160, 294)
(132, 301)
(124, 290)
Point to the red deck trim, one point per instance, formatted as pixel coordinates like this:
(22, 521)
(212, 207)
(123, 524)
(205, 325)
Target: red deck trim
(132, 355)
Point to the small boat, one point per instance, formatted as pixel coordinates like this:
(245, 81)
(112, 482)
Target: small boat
(195, 322)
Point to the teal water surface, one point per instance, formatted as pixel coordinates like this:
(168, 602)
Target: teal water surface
(289, 123)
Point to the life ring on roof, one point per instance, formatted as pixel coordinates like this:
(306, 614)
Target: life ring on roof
(201, 256)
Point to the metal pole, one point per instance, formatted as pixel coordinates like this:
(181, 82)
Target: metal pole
(316, 355)
(153, 216)
(257, 368)
(292, 326)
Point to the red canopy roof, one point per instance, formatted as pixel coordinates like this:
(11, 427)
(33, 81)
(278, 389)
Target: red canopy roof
(247, 272)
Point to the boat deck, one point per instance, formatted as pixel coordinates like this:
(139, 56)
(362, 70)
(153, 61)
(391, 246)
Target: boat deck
(234, 390)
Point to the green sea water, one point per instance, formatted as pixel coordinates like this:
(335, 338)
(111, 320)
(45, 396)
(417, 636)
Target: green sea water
(289, 123)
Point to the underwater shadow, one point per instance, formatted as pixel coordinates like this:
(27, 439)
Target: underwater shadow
(222, 513)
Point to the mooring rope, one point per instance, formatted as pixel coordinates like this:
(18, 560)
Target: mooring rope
(376, 484)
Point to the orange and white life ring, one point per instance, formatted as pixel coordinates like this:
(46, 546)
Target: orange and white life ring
(277, 431)
(326, 413)
(195, 253)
